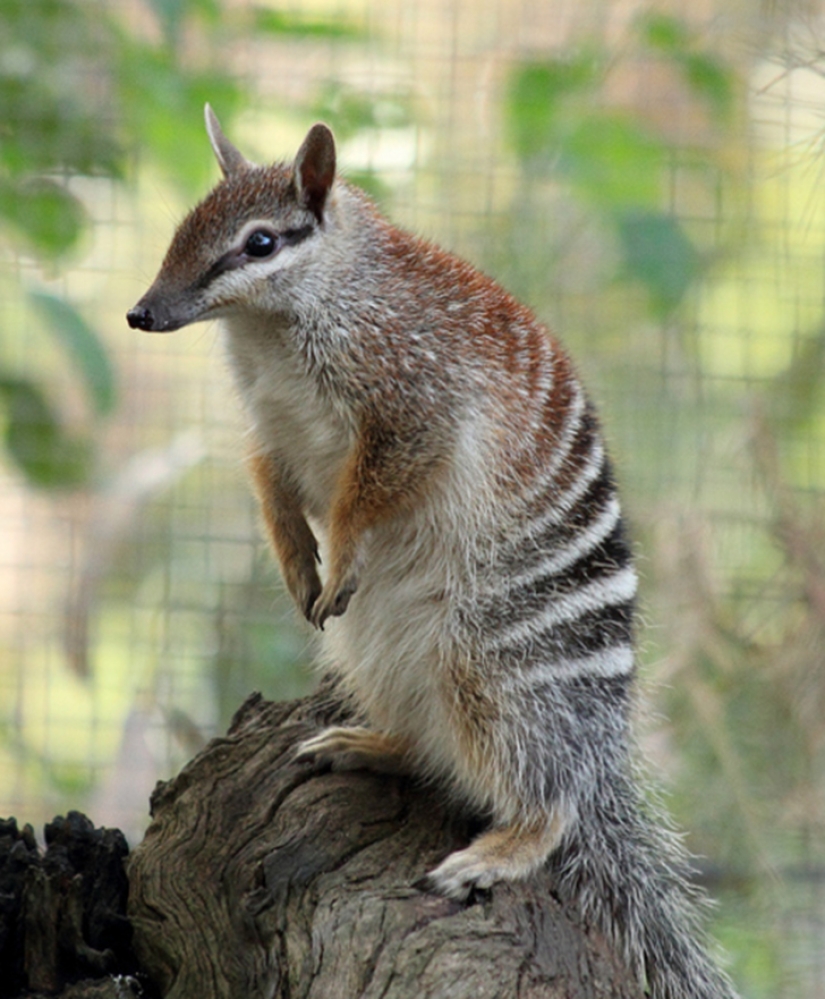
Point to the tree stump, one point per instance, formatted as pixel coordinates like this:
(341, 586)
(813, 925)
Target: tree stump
(264, 877)
(63, 926)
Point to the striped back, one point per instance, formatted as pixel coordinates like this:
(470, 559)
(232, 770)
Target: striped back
(561, 586)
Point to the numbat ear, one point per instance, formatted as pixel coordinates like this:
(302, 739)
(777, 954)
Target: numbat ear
(230, 160)
(314, 169)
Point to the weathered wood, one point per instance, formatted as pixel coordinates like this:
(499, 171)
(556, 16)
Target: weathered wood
(263, 877)
(63, 911)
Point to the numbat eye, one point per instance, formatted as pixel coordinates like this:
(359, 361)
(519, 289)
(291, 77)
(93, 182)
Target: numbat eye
(260, 244)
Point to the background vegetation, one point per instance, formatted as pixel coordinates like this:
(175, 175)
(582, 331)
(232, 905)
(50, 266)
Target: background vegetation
(649, 181)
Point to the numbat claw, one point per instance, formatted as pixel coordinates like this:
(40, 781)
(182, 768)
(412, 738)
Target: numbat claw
(331, 604)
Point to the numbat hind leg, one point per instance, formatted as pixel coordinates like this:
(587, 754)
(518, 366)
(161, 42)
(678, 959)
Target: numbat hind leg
(355, 748)
(502, 854)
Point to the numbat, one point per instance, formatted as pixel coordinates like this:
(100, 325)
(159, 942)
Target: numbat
(416, 425)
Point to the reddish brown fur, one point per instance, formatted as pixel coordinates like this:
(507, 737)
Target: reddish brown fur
(291, 536)
(378, 481)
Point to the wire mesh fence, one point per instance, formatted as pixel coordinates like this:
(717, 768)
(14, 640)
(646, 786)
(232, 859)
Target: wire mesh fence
(648, 179)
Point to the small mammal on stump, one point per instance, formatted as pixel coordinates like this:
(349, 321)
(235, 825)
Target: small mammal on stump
(477, 591)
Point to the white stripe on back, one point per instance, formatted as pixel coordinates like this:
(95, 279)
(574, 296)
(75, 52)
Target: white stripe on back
(581, 544)
(608, 663)
(604, 592)
(575, 412)
(561, 507)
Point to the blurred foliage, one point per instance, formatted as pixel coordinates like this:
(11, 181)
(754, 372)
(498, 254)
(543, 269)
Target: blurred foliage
(295, 25)
(707, 75)
(46, 454)
(616, 163)
(798, 393)
(354, 111)
(84, 348)
(71, 75)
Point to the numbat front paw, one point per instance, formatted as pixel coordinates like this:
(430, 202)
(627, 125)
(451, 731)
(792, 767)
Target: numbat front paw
(332, 602)
(304, 584)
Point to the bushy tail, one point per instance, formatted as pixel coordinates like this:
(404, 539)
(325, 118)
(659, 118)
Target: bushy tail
(628, 875)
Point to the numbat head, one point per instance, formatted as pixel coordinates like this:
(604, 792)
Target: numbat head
(251, 228)
(416, 427)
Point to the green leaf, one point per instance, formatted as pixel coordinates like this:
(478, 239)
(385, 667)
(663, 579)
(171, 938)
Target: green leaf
(52, 118)
(35, 440)
(164, 110)
(665, 33)
(614, 161)
(709, 78)
(45, 214)
(278, 22)
(534, 98)
(169, 13)
(611, 159)
(83, 345)
(657, 252)
(45, 131)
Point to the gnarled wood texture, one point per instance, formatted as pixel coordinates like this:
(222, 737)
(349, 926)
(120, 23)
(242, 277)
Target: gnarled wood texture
(264, 877)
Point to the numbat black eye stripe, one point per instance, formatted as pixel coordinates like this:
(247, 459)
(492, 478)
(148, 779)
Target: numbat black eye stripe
(232, 260)
(294, 236)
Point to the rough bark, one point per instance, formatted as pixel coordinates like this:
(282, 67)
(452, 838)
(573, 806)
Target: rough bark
(264, 877)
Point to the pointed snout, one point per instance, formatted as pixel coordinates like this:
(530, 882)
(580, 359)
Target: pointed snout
(155, 314)
(140, 318)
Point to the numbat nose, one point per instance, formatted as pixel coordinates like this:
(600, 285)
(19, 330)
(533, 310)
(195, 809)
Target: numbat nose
(140, 318)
